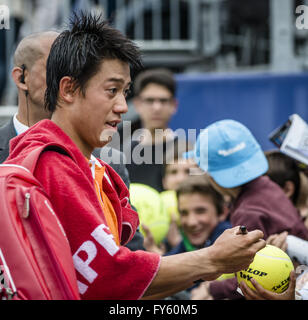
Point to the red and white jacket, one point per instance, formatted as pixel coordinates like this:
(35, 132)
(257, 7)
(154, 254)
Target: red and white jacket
(104, 270)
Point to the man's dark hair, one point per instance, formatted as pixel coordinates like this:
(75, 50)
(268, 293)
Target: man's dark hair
(79, 52)
(160, 76)
(200, 184)
(282, 168)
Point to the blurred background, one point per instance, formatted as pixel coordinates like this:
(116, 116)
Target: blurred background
(245, 60)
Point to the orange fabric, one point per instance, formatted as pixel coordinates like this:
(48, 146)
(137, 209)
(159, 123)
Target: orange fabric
(107, 207)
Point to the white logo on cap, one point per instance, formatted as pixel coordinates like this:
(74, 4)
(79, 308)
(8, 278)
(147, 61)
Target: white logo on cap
(237, 148)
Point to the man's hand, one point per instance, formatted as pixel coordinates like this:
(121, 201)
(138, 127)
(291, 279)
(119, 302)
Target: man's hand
(202, 292)
(234, 251)
(262, 294)
(230, 253)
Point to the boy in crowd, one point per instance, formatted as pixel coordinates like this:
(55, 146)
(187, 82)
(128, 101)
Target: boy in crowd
(202, 214)
(175, 170)
(202, 218)
(155, 103)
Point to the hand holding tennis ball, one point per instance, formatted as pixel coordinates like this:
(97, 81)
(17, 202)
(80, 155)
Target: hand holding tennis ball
(271, 268)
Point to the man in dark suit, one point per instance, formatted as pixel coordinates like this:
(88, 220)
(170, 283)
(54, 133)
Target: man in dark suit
(29, 75)
(7, 132)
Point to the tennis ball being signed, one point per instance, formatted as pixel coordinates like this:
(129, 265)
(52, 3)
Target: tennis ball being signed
(271, 268)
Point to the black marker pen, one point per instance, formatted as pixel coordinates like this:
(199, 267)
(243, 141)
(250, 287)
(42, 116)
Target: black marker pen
(243, 230)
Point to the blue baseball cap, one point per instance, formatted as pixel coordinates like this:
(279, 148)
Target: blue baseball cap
(228, 151)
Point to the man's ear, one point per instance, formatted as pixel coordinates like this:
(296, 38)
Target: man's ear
(289, 188)
(67, 90)
(17, 75)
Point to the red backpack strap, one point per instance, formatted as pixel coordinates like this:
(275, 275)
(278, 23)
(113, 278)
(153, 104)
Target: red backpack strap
(31, 159)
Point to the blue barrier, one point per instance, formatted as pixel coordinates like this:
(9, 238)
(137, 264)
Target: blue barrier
(262, 102)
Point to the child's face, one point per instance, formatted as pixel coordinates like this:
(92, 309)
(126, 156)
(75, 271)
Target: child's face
(198, 216)
(177, 172)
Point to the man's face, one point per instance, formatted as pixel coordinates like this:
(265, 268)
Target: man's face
(198, 216)
(176, 172)
(94, 117)
(36, 76)
(155, 106)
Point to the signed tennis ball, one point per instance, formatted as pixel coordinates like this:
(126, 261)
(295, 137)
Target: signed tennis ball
(271, 268)
(150, 209)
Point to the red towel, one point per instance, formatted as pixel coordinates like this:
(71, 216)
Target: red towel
(104, 270)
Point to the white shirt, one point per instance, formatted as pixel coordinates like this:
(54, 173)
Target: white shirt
(19, 127)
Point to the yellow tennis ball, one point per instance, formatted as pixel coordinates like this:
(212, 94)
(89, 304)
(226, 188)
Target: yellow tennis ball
(271, 268)
(226, 276)
(150, 209)
(170, 202)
